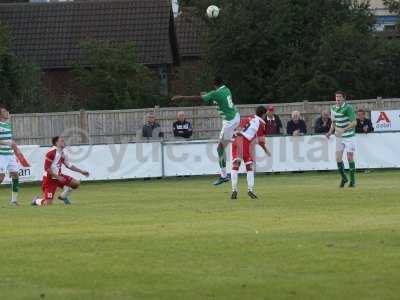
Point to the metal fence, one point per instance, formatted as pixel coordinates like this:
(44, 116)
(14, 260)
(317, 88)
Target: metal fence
(121, 126)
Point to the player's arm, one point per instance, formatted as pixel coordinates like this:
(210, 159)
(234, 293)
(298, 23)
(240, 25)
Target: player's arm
(208, 97)
(11, 144)
(47, 167)
(189, 98)
(263, 145)
(332, 128)
(353, 121)
(54, 175)
(76, 169)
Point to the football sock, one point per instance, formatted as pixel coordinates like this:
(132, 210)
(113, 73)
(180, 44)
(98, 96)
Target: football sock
(66, 192)
(234, 179)
(250, 180)
(222, 160)
(352, 169)
(15, 189)
(341, 170)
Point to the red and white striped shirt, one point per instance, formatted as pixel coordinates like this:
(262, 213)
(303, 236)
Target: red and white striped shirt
(253, 127)
(54, 160)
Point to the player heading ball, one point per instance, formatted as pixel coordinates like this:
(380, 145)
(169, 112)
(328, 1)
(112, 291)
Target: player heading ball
(221, 96)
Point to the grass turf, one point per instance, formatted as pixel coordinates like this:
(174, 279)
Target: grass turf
(184, 239)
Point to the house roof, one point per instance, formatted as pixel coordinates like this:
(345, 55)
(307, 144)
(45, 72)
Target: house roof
(189, 30)
(49, 33)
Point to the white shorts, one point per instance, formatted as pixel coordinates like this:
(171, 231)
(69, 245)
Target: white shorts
(8, 163)
(348, 144)
(228, 128)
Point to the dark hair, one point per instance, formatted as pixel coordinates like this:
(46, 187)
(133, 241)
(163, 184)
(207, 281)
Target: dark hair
(361, 110)
(54, 140)
(340, 93)
(261, 110)
(218, 80)
(2, 107)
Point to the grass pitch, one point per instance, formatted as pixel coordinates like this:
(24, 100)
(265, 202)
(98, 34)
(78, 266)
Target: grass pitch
(184, 239)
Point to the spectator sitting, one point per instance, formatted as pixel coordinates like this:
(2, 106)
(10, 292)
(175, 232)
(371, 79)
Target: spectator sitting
(151, 129)
(181, 127)
(364, 125)
(273, 122)
(323, 123)
(296, 126)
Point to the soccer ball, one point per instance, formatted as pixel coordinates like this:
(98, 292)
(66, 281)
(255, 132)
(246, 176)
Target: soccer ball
(212, 11)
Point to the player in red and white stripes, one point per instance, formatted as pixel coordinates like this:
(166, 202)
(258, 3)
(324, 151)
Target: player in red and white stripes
(251, 131)
(54, 178)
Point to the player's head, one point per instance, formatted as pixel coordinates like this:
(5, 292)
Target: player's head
(339, 97)
(4, 114)
(58, 141)
(261, 111)
(218, 81)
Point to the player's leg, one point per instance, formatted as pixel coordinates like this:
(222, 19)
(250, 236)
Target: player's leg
(3, 168)
(49, 188)
(248, 160)
(226, 135)
(339, 159)
(13, 169)
(237, 147)
(250, 180)
(70, 184)
(352, 165)
(14, 187)
(234, 178)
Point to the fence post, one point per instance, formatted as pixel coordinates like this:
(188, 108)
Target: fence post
(379, 103)
(84, 128)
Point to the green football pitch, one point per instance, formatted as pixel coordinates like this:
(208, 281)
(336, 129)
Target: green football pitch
(184, 239)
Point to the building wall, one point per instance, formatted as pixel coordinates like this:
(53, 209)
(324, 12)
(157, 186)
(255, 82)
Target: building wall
(385, 20)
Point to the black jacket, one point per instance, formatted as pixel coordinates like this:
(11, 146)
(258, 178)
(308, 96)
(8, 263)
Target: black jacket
(361, 124)
(182, 129)
(319, 126)
(292, 127)
(152, 131)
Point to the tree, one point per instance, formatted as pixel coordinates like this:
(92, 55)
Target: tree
(21, 89)
(393, 5)
(290, 50)
(113, 77)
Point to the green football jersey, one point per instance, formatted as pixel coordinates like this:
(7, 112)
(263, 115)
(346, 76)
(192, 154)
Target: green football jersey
(342, 116)
(222, 97)
(5, 136)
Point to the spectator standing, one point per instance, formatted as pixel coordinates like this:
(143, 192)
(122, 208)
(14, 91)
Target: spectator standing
(151, 129)
(296, 126)
(273, 122)
(181, 127)
(323, 123)
(364, 125)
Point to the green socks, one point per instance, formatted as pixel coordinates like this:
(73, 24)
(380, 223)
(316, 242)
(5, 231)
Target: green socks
(15, 189)
(352, 170)
(15, 185)
(341, 170)
(221, 157)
